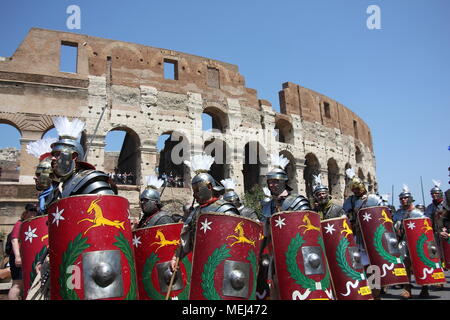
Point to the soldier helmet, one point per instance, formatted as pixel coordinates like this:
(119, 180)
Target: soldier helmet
(41, 149)
(230, 194)
(201, 182)
(69, 133)
(406, 194)
(317, 184)
(150, 197)
(279, 163)
(355, 182)
(436, 188)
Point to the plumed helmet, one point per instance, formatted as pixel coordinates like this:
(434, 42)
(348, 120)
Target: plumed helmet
(69, 132)
(317, 184)
(230, 194)
(355, 182)
(279, 163)
(406, 193)
(436, 188)
(151, 190)
(41, 149)
(200, 165)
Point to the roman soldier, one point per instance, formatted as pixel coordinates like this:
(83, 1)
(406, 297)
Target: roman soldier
(75, 177)
(324, 206)
(150, 201)
(43, 175)
(205, 191)
(231, 196)
(406, 210)
(437, 204)
(281, 198)
(360, 199)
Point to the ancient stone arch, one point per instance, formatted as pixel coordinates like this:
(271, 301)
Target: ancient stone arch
(333, 178)
(285, 131)
(312, 167)
(219, 118)
(291, 170)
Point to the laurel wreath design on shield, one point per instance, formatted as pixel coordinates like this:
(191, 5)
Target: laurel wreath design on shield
(216, 258)
(342, 261)
(76, 248)
(378, 243)
(37, 258)
(123, 244)
(293, 269)
(150, 263)
(421, 252)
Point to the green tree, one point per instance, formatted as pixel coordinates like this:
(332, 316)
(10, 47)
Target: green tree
(253, 197)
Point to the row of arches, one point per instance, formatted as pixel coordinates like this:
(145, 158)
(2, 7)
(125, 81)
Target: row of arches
(123, 156)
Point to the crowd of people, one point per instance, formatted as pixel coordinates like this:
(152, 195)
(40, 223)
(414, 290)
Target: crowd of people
(61, 174)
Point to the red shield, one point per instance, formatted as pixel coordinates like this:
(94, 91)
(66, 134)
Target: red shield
(34, 240)
(299, 253)
(445, 246)
(381, 244)
(423, 251)
(347, 272)
(225, 259)
(154, 247)
(91, 255)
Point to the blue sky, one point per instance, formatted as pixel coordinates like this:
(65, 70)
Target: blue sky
(397, 78)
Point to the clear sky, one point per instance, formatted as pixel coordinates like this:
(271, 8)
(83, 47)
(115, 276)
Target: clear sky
(397, 78)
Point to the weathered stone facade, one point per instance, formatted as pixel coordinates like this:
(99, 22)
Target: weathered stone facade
(127, 82)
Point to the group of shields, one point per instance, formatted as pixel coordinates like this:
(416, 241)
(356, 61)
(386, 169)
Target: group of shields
(95, 254)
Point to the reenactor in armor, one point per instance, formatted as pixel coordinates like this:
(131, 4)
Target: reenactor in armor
(74, 176)
(205, 191)
(360, 199)
(43, 175)
(281, 199)
(435, 211)
(150, 201)
(231, 196)
(406, 210)
(324, 206)
(70, 175)
(438, 201)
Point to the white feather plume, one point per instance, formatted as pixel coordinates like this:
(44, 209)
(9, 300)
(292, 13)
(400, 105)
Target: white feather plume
(65, 128)
(405, 188)
(200, 163)
(39, 147)
(228, 184)
(350, 173)
(267, 192)
(279, 161)
(436, 183)
(317, 180)
(153, 182)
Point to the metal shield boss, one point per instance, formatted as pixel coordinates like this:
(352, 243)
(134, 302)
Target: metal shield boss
(300, 263)
(33, 243)
(381, 244)
(154, 247)
(91, 253)
(423, 251)
(225, 258)
(344, 260)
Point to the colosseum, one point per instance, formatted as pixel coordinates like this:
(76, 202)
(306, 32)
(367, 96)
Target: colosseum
(149, 93)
